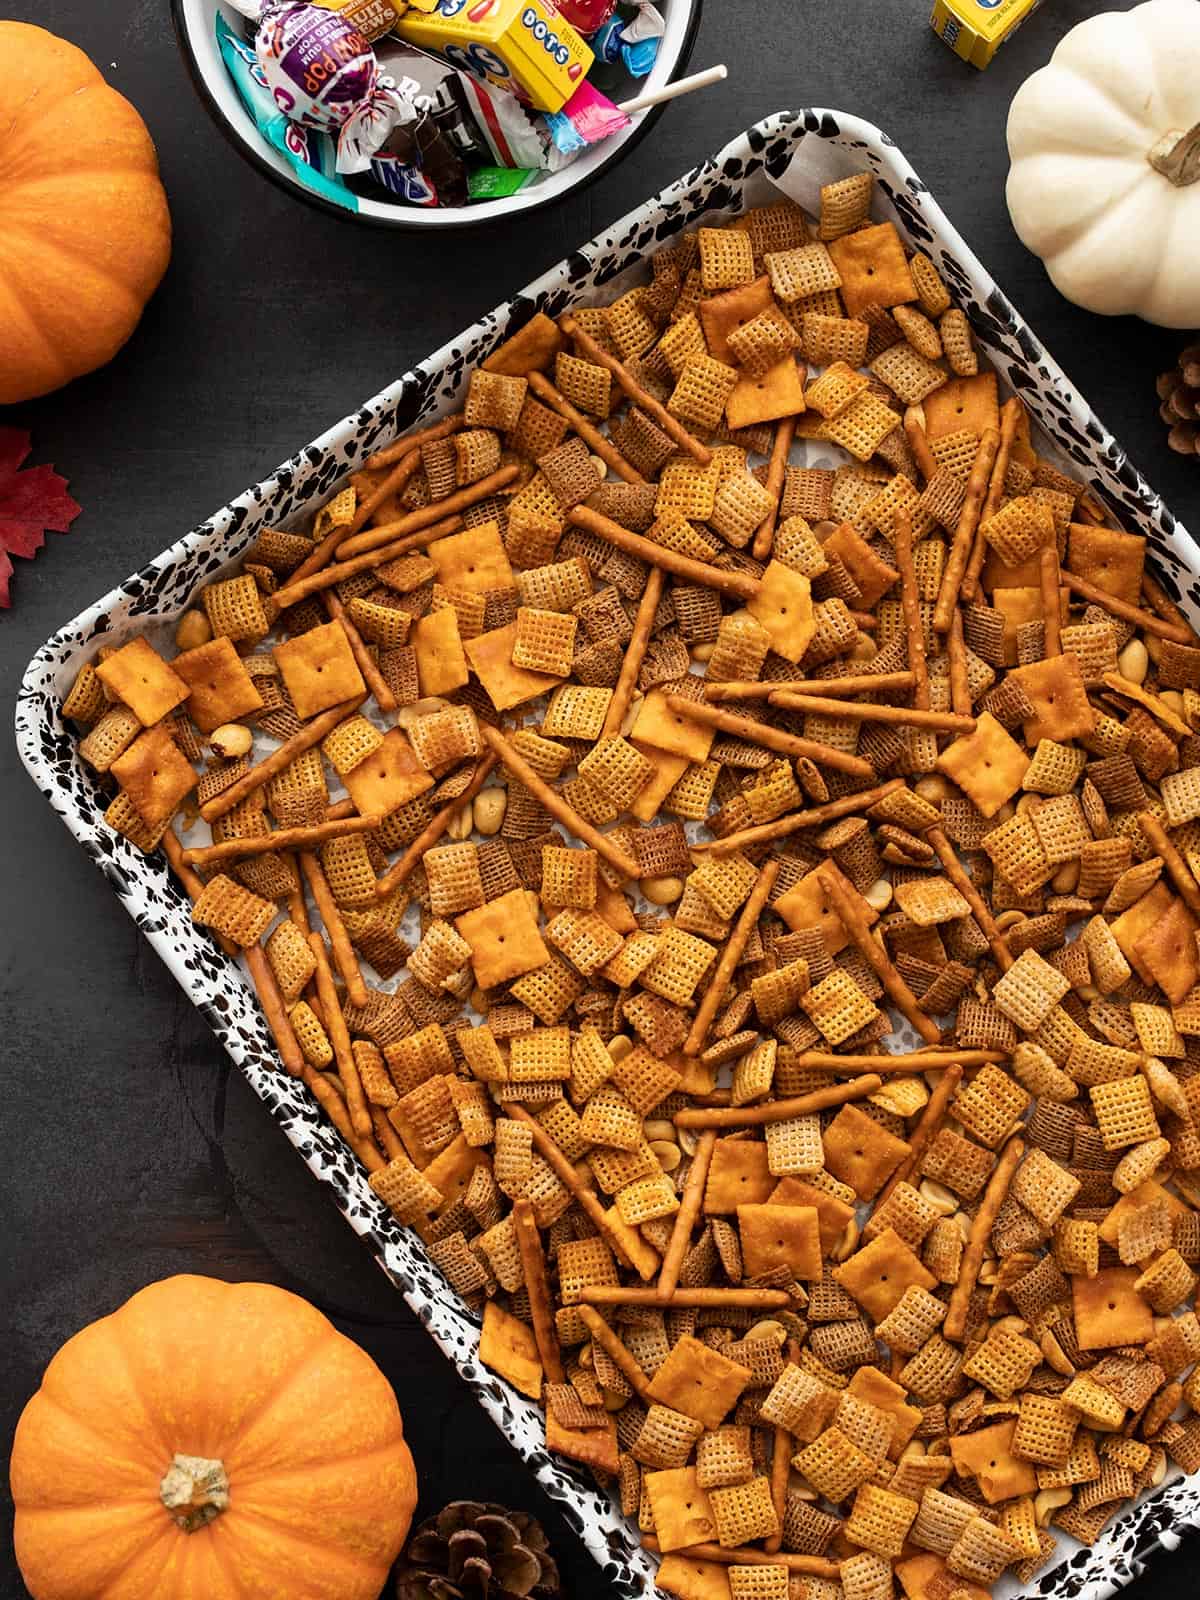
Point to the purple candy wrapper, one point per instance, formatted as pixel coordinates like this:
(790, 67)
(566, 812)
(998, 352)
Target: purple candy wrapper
(318, 67)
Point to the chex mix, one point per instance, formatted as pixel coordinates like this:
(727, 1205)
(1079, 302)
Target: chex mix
(791, 1061)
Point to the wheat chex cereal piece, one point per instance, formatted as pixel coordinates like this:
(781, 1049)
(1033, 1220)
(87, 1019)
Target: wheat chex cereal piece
(575, 712)
(584, 384)
(838, 1007)
(292, 961)
(914, 1318)
(758, 1583)
(879, 1520)
(700, 395)
(666, 1438)
(806, 270)
(907, 373)
(230, 910)
(726, 258)
(544, 641)
(862, 427)
(1029, 990)
(1124, 1111)
(630, 327)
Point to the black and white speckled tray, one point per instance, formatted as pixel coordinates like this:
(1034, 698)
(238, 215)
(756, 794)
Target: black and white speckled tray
(794, 151)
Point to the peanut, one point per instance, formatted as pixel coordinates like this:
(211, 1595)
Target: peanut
(192, 629)
(665, 1153)
(661, 891)
(489, 808)
(1134, 661)
(231, 739)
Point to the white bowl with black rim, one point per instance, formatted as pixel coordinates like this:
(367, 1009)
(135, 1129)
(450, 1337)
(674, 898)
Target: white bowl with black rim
(196, 29)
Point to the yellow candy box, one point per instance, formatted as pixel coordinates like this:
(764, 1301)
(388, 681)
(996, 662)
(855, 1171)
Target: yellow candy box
(975, 29)
(521, 45)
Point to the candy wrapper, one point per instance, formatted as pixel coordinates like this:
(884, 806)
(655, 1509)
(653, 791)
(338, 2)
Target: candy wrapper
(633, 42)
(587, 117)
(312, 156)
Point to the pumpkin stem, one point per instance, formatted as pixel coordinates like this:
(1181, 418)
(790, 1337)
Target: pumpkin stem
(1177, 156)
(194, 1490)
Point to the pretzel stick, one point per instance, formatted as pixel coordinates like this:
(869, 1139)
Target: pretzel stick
(908, 1061)
(787, 744)
(537, 1287)
(1180, 873)
(764, 539)
(629, 385)
(849, 905)
(846, 805)
(836, 1094)
(587, 431)
(955, 1325)
(980, 909)
(517, 767)
(274, 1010)
(385, 1135)
(626, 1242)
(781, 1467)
(635, 654)
(339, 1038)
(919, 1139)
(690, 1202)
(863, 711)
(1145, 620)
(372, 677)
(630, 1295)
(392, 484)
(191, 881)
(622, 1357)
(910, 602)
(334, 1106)
(426, 516)
(434, 829)
(956, 654)
(747, 1556)
(1162, 605)
(853, 683)
(918, 442)
(1051, 603)
(299, 588)
(339, 939)
(312, 733)
(964, 533)
(735, 944)
(281, 839)
(1011, 413)
(413, 441)
(269, 997)
(736, 584)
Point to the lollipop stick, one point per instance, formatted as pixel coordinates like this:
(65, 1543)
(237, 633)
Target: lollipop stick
(672, 91)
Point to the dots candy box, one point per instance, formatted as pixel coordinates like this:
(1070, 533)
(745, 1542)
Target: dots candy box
(792, 152)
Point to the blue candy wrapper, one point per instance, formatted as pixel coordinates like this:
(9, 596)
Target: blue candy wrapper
(639, 58)
(312, 155)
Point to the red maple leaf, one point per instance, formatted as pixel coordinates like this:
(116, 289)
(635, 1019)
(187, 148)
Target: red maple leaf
(33, 502)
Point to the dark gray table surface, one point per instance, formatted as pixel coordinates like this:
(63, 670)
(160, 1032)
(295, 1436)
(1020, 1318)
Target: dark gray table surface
(132, 1150)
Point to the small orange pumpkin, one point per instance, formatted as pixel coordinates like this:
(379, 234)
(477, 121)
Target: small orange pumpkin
(211, 1441)
(85, 234)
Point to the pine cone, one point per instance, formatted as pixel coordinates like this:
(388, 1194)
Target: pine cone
(1179, 394)
(473, 1551)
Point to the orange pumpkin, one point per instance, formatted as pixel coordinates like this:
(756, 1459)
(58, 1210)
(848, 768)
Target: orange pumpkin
(85, 234)
(211, 1441)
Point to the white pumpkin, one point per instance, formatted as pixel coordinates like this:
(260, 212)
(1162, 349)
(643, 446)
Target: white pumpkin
(1105, 148)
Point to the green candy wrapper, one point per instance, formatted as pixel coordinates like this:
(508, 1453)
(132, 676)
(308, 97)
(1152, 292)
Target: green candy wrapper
(497, 183)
